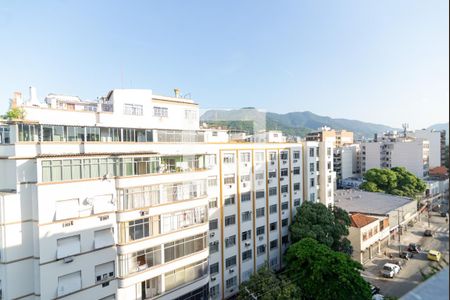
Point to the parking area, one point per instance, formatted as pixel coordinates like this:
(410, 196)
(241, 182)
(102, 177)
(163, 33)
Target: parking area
(410, 274)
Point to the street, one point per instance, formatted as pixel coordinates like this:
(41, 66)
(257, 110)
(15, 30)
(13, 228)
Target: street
(410, 275)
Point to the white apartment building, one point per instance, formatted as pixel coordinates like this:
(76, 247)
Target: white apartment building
(413, 154)
(437, 145)
(127, 198)
(346, 160)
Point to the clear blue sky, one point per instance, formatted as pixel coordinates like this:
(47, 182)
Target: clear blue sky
(378, 61)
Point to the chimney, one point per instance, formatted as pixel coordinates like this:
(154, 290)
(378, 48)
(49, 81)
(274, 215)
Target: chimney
(33, 96)
(177, 92)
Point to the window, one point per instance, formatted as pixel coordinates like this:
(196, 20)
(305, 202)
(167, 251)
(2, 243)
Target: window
(69, 283)
(214, 268)
(311, 167)
(230, 220)
(273, 174)
(329, 166)
(246, 197)
(229, 283)
(259, 156)
(317, 151)
(213, 203)
(139, 229)
(246, 216)
(230, 200)
(245, 178)
(272, 156)
(190, 114)
(229, 179)
(311, 152)
(273, 209)
(161, 112)
(284, 189)
(133, 109)
(283, 155)
(284, 172)
(273, 226)
(214, 291)
(296, 154)
(260, 250)
(245, 157)
(259, 176)
(296, 202)
(329, 151)
(260, 212)
(183, 247)
(312, 197)
(311, 182)
(246, 255)
(213, 224)
(297, 186)
(285, 239)
(296, 170)
(284, 222)
(104, 272)
(212, 182)
(103, 238)
(329, 178)
(228, 158)
(230, 262)
(68, 246)
(246, 235)
(272, 191)
(284, 205)
(230, 241)
(260, 230)
(273, 244)
(213, 247)
(259, 194)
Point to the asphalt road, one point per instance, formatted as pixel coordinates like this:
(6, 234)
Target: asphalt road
(410, 276)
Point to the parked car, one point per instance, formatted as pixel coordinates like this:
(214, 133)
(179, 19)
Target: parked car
(377, 297)
(406, 255)
(374, 289)
(428, 232)
(390, 270)
(414, 248)
(434, 255)
(399, 262)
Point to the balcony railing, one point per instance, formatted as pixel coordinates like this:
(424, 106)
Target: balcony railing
(153, 195)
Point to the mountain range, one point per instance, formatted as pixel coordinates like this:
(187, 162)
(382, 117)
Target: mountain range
(293, 123)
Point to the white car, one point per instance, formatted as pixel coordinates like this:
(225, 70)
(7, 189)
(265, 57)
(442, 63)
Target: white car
(390, 270)
(377, 297)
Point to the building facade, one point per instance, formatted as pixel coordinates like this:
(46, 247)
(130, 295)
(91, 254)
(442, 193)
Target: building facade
(128, 198)
(436, 141)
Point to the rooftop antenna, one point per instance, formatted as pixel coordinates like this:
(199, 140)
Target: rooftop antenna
(405, 129)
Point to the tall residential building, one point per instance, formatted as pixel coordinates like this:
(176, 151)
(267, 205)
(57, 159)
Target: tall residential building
(413, 154)
(437, 145)
(127, 197)
(347, 162)
(339, 138)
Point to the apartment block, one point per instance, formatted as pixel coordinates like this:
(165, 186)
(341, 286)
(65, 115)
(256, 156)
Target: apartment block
(346, 161)
(339, 138)
(127, 197)
(436, 141)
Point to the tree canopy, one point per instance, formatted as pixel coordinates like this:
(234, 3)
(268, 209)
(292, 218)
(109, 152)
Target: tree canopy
(396, 181)
(265, 285)
(321, 273)
(328, 226)
(15, 113)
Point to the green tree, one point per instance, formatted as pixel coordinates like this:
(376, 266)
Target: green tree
(328, 226)
(15, 113)
(265, 285)
(321, 273)
(396, 181)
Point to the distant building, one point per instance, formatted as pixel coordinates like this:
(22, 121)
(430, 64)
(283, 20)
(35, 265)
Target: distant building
(436, 140)
(413, 154)
(369, 236)
(399, 210)
(346, 162)
(338, 137)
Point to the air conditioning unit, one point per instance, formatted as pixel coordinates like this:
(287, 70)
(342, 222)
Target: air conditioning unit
(284, 195)
(143, 212)
(261, 238)
(281, 178)
(231, 271)
(68, 259)
(295, 161)
(230, 186)
(272, 162)
(212, 234)
(284, 162)
(247, 244)
(232, 290)
(213, 278)
(244, 185)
